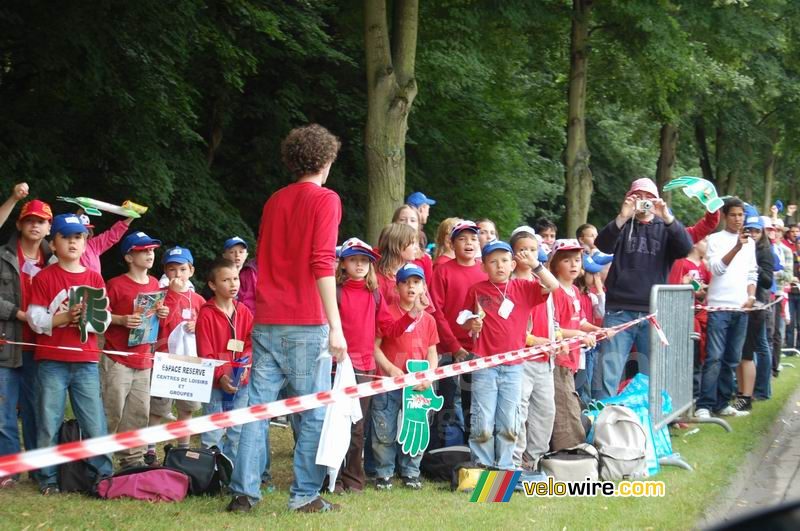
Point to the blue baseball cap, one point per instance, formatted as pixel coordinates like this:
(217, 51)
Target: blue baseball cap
(138, 241)
(751, 218)
(589, 265)
(409, 270)
(67, 225)
(417, 199)
(495, 245)
(178, 255)
(233, 241)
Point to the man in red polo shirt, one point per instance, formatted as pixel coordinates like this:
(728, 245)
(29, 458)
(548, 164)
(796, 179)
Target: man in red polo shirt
(297, 325)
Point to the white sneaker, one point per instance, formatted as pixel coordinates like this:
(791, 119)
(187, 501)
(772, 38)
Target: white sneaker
(702, 413)
(730, 411)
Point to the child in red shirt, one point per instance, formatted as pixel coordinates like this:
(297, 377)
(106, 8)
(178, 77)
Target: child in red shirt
(397, 245)
(223, 333)
(362, 316)
(61, 371)
(125, 380)
(176, 336)
(449, 286)
(566, 263)
(444, 246)
(409, 215)
(418, 342)
(537, 406)
(501, 308)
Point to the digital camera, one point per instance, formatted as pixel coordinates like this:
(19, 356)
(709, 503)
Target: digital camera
(644, 205)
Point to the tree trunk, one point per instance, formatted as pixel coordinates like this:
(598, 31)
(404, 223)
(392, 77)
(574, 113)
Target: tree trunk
(578, 176)
(668, 142)
(731, 183)
(702, 147)
(769, 172)
(391, 88)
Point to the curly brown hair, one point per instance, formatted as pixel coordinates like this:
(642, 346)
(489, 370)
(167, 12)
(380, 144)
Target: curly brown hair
(307, 149)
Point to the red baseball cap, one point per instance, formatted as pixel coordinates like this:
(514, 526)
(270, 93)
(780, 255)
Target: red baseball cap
(37, 208)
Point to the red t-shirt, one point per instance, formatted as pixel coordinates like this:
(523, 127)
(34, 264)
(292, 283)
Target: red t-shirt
(183, 307)
(361, 320)
(299, 227)
(410, 345)
(122, 292)
(449, 286)
(26, 274)
(426, 264)
(540, 322)
(214, 330)
(440, 260)
(51, 289)
(568, 313)
(500, 335)
(684, 267)
(387, 285)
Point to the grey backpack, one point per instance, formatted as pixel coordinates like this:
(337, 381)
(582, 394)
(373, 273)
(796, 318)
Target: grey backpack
(621, 442)
(571, 464)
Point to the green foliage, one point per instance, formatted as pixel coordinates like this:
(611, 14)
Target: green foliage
(182, 105)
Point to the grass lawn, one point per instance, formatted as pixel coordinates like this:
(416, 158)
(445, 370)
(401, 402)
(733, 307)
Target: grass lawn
(714, 454)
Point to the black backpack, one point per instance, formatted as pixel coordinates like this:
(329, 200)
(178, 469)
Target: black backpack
(440, 464)
(75, 476)
(209, 470)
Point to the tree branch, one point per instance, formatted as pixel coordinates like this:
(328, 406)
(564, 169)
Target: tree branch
(376, 40)
(404, 37)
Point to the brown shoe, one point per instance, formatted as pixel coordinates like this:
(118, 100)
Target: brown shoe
(318, 505)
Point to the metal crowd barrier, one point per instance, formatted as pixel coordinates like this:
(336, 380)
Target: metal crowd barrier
(672, 366)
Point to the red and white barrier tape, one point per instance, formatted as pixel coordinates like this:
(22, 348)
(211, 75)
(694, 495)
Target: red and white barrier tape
(737, 308)
(149, 356)
(56, 455)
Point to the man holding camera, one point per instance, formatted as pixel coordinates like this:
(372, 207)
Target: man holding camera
(646, 239)
(732, 261)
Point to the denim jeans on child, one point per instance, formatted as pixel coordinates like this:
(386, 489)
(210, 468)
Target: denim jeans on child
(9, 427)
(231, 433)
(82, 381)
(495, 421)
(296, 356)
(385, 449)
(609, 363)
(763, 358)
(27, 401)
(583, 378)
(726, 333)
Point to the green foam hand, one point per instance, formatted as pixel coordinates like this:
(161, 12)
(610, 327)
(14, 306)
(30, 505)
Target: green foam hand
(698, 188)
(414, 434)
(95, 309)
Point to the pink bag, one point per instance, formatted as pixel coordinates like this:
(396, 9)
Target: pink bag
(145, 483)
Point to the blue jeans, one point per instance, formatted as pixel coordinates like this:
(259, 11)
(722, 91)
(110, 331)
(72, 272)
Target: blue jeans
(725, 339)
(495, 421)
(763, 359)
(385, 448)
(82, 381)
(583, 378)
(296, 356)
(9, 428)
(27, 400)
(231, 433)
(609, 366)
(793, 327)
